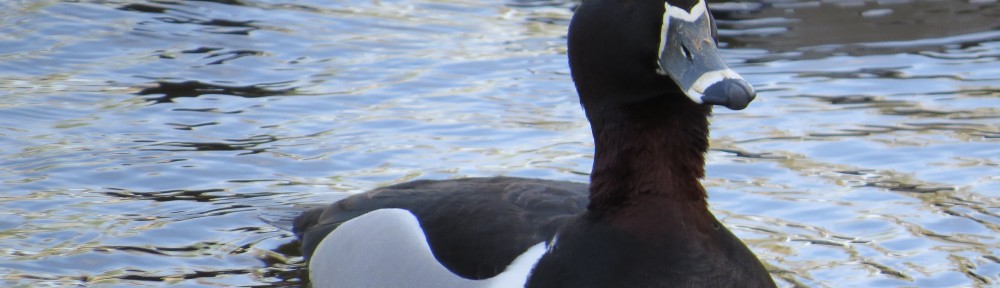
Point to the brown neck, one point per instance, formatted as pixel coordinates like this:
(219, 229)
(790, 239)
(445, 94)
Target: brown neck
(649, 149)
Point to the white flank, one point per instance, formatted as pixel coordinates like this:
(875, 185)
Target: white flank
(382, 248)
(552, 244)
(388, 248)
(706, 80)
(518, 271)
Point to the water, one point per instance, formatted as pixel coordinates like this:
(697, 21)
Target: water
(139, 140)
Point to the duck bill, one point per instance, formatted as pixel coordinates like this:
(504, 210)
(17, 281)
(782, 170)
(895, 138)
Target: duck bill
(689, 55)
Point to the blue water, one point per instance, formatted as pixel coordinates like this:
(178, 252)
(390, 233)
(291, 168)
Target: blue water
(142, 141)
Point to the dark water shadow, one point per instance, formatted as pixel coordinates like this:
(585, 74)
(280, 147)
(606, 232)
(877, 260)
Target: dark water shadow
(166, 92)
(174, 13)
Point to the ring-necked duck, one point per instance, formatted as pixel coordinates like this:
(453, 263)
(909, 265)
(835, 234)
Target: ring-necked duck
(647, 72)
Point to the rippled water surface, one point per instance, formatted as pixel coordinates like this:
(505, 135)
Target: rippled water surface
(141, 141)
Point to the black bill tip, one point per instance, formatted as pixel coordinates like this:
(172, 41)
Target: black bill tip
(735, 94)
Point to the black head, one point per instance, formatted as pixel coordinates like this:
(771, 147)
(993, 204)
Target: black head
(625, 51)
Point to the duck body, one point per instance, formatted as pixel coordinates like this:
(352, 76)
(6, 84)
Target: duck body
(475, 226)
(647, 73)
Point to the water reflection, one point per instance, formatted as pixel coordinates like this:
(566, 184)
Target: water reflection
(149, 142)
(816, 29)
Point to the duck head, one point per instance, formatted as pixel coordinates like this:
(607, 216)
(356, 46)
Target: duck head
(632, 50)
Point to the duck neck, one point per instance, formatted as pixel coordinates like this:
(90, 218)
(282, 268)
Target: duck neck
(650, 151)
